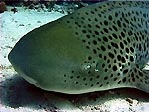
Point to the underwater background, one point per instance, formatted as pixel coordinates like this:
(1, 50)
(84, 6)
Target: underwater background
(16, 95)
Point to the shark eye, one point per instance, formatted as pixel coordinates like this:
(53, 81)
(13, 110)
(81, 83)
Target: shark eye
(86, 66)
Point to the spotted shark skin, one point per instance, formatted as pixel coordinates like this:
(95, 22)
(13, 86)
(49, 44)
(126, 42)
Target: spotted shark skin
(98, 47)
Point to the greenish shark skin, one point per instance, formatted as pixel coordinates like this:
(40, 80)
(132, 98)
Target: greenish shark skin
(98, 47)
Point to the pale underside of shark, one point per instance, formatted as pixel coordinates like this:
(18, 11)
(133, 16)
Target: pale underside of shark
(98, 47)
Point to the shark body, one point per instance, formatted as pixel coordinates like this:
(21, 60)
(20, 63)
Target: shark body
(98, 47)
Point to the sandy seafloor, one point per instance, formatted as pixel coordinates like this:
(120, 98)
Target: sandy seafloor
(17, 95)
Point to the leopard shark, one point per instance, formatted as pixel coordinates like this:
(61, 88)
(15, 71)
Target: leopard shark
(98, 47)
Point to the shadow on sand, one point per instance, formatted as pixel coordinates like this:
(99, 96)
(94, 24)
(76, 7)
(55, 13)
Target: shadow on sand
(16, 92)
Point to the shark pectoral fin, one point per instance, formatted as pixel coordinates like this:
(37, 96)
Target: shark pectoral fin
(143, 82)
